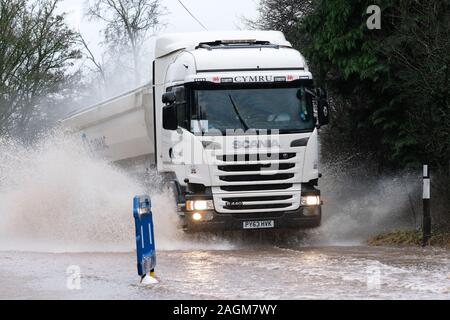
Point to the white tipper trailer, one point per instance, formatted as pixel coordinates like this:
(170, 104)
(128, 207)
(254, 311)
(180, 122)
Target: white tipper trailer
(231, 119)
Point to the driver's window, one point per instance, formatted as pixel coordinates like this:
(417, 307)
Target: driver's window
(305, 101)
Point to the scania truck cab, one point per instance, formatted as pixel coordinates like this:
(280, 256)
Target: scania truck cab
(231, 119)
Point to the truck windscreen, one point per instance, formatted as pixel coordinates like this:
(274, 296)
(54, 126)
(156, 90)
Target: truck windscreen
(289, 110)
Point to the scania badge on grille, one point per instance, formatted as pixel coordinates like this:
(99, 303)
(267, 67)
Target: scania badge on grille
(247, 144)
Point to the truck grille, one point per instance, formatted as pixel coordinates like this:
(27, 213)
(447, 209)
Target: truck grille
(255, 167)
(247, 203)
(250, 204)
(256, 157)
(253, 199)
(258, 187)
(256, 206)
(256, 177)
(257, 183)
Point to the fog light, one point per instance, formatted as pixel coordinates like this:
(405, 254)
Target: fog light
(197, 216)
(311, 211)
(311, 201)
(199, 205)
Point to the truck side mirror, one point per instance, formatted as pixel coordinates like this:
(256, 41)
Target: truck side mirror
(170, 117)
(323, 110)
(169, 98)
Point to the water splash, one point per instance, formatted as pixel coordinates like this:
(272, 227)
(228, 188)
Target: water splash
(360, 203)
(56, 196)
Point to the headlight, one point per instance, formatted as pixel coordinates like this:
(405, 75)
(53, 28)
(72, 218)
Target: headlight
(197, 216)
(200, 205)
(311, 201)
(202, 216)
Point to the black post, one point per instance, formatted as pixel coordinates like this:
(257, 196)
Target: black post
(426, 206)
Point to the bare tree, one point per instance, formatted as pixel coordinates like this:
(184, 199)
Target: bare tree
(98, 65)
(129, 23)
(37, 49)
(281, 15)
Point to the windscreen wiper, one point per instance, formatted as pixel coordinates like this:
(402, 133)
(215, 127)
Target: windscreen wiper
(246, 127)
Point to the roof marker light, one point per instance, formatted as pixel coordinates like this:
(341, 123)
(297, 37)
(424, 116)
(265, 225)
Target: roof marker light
(238, 41)
(227, 80)
(279, 79)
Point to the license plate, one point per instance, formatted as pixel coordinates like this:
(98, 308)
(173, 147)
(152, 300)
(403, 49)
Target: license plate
(265, 224)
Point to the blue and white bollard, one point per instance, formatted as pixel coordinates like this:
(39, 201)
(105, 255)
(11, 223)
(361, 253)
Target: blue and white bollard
(145, 239)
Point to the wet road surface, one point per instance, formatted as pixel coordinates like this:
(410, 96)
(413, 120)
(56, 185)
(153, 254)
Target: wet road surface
(254, 273)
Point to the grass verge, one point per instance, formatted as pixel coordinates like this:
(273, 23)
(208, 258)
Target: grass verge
(410, 238)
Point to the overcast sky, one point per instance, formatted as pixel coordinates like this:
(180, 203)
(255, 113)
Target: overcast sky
(214, 14)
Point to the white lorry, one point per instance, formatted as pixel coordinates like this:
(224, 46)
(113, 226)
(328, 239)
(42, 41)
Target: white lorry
(232, 120)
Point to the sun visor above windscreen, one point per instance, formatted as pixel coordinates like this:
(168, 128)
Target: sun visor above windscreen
(169, 43)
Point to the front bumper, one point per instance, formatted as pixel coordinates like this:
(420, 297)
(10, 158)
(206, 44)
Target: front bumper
(283, 220)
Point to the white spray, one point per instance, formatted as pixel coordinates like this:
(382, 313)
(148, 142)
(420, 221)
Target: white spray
(360, 203)
(55, 196)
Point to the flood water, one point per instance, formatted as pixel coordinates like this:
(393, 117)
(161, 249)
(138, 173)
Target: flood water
(257, 273)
